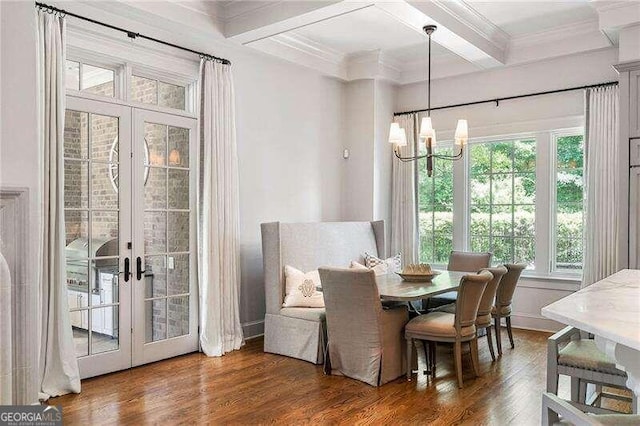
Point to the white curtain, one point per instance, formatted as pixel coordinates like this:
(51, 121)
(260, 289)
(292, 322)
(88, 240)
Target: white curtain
(218, 214)
(404, 210)
(58, 365)
(602, 184)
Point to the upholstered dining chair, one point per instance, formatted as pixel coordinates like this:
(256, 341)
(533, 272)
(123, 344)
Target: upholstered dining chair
(570, 352)
(504, 298)
(452, 328)
(462, 261)
(364, 340)
(483, 321)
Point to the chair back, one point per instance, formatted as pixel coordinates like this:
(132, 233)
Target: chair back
(469, 294)
(353, 312)
(466, 261)
(489, 295)
(508, 283)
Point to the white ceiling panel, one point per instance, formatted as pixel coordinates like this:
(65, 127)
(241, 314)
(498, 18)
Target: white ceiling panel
(519, 18)
(363, 30)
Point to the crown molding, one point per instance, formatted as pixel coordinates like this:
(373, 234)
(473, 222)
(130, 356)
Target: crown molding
(372, 65)
(555, 34)
(627, 66)
(309, 47)
(475, 21)
(566, 40)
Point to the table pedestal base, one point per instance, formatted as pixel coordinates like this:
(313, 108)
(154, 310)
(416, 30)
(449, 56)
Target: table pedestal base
(627, 359)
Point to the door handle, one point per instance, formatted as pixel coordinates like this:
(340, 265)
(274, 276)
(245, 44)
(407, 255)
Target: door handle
(127, 269)
(139, 270)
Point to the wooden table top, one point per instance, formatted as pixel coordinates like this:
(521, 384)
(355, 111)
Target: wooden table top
(392, 287)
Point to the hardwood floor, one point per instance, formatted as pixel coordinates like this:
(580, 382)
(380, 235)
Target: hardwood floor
(251, 387)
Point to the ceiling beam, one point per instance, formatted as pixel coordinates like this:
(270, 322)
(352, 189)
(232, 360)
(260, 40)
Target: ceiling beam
(460, 29)
(283, 16)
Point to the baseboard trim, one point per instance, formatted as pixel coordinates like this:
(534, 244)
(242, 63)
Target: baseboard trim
(253, 329)
(534, 322)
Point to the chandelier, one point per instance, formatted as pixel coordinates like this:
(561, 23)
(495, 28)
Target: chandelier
(398, 135)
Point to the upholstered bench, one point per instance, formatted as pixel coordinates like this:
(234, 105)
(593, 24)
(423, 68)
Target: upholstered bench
(301, 332)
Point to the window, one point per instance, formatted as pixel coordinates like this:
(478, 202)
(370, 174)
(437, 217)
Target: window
(90, 79)
(569, 195)
(435, 203)
(155, 92)
(95, 75)
(491, 201)
(502, 189)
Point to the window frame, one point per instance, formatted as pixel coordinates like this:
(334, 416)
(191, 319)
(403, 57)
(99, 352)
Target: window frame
(553, 201)
(545, 197)
(468, 203)
(123, 74)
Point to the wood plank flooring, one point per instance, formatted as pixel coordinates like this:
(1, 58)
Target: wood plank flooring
(251, 387)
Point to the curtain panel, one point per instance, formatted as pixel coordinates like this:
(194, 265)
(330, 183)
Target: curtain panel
(218, 214)
(404, 207)
(602, 183)
(59, 372)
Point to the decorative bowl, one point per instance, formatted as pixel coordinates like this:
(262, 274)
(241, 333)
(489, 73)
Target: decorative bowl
(418, 278)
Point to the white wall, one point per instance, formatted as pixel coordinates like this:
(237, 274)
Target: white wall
(385, 96)
(359, 136)
(367, 172)
(289, 124)
(522, 115)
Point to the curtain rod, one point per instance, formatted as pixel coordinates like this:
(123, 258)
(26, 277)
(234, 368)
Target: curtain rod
(497, 100)
(130, 34)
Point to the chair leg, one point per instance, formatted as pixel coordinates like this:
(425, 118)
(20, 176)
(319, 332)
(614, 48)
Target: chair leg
(457, 351)
(473, 345)
(582, 392)
(409, 360)
(510, 332)
(496, 322)
(490, 343)
(425, 350)
(552, 378)
(575, 389)
(432, 357)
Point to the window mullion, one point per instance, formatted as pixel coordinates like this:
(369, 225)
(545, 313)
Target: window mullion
(544, 204)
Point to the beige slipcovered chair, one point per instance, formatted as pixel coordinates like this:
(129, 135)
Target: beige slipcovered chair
(452, 328)
(300, 332)
(462, 261)
(504, 298)
(483, 321)
(570, 352)
(365, 342)
(556, 411)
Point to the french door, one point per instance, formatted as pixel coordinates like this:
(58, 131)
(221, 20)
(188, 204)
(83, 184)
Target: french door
(130, 234)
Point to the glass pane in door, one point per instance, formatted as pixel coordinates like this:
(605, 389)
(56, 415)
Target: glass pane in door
(166, 232)
(92, 229)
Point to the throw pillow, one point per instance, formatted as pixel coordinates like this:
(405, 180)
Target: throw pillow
(380, 266)
(302, 290)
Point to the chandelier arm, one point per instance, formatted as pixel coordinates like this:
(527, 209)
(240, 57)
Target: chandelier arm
(408, 159)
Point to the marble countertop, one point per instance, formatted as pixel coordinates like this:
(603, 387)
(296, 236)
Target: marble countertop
(609, 308)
